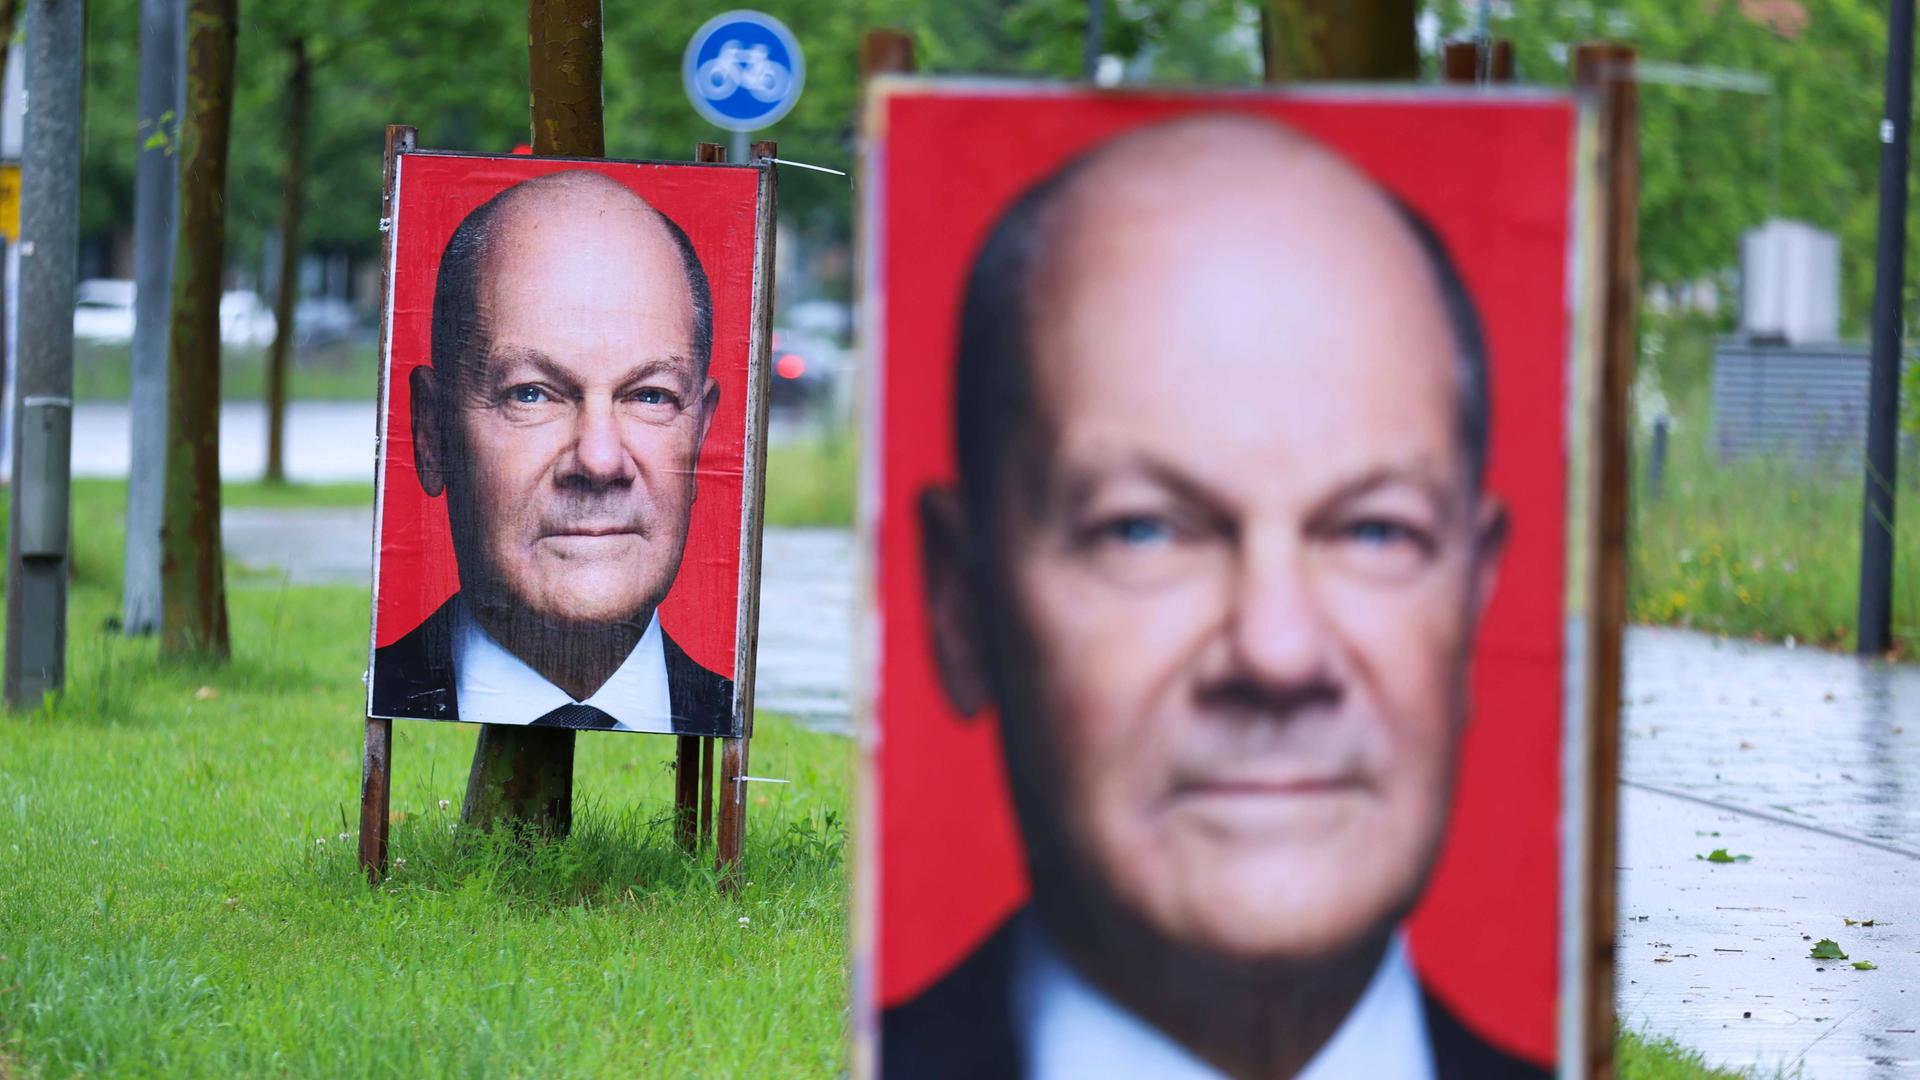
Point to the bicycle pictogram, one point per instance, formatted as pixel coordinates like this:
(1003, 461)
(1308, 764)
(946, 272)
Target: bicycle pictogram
(741, 67)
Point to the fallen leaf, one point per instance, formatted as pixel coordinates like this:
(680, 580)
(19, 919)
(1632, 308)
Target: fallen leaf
(1864, 965)
(1826, 949)
(1719, 855)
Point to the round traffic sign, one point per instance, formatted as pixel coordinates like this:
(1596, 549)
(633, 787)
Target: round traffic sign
(743, 70)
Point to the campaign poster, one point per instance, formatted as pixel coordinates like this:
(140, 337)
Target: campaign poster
(563, 442)
(1217, 479)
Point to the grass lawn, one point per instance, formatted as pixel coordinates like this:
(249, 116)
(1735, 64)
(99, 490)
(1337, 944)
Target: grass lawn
(177, 897)
(1762, 549)
(335, 372)
(179, 894)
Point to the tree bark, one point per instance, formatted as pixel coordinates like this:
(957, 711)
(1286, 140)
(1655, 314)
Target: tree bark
(523, 777)
(283, 308)
(156, 202)
(1339, 39)
(193, 588)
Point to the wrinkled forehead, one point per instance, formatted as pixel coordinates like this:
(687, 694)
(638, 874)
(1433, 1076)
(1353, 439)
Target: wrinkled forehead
(597, 274)
(1271, 305)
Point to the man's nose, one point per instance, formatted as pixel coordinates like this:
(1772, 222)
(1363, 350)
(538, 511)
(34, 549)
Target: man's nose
(599, 453)
(1278, 631)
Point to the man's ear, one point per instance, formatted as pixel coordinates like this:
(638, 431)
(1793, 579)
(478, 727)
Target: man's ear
(709, 402)
(1489, 545)
(429, 446)
(951, 615)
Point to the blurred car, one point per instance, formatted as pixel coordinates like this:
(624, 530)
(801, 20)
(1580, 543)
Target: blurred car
(807, 370)
(103, 310)
(821, 318)
(245, 320)
(325, 320)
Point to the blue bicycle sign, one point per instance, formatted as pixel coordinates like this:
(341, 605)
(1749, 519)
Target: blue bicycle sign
(743, 70)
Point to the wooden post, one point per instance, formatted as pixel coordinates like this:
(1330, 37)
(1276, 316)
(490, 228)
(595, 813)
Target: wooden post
(732, 825)
(693, 758)
(524, 775)
(1500, 65)
(1607, 72)
(885, 51)
(1460, 62)
(376, 761)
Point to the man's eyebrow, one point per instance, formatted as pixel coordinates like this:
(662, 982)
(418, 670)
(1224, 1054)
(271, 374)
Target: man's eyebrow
(1435, 490)
(1079, 484)
(503, 359)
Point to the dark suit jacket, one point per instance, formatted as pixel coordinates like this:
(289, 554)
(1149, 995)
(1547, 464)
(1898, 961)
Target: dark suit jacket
(961, 1028)
(413, 678)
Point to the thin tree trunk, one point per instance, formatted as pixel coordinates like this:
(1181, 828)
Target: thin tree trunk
(297, 86)
(193, 589)
(1339, 39)
(523, 776)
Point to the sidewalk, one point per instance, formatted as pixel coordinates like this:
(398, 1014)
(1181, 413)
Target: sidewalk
(1808, 762)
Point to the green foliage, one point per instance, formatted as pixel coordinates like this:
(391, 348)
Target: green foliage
(1719, 855)
(180, 895)
(1827, 949)
(1715, 163)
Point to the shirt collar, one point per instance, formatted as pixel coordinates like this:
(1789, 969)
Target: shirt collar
(1069, 1028)
(493, 686)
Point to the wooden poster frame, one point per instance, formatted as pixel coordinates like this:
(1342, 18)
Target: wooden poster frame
(695, 785)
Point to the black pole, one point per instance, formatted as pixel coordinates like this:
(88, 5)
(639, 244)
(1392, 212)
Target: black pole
(1096, 36)
(1876, 521)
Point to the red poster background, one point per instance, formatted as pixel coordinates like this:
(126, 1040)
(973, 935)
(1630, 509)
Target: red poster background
(1494, 176)
(715, 205)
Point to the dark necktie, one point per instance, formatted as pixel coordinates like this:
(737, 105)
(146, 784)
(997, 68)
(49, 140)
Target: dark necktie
(578, 717)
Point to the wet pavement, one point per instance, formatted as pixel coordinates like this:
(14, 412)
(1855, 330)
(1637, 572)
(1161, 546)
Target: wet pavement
(1806, 762)
(1809, 764)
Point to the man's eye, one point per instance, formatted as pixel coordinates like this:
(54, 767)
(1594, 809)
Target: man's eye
(1135, 531)
(653, 395)
(1379, 533)
(527, 395)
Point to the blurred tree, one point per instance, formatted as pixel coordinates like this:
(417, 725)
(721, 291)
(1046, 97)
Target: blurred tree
(193, 611)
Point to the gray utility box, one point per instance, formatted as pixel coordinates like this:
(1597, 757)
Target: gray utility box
(1807, 402)
(46, 445)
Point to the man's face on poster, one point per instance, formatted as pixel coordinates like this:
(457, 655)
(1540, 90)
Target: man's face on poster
(1240, 556)
(575, 422)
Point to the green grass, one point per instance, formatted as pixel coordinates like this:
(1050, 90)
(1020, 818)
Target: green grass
(179, 894)
(812, 483)
(1761, 549)
(176, 897)
(1640, 1056)
(340, 372)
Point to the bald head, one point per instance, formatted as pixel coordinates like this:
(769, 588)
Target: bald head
(1214, 217)
(574, 223)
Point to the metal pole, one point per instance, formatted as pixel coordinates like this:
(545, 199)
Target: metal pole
(1875, 631)
(1096, 37)
(37, 541)
(156, 203)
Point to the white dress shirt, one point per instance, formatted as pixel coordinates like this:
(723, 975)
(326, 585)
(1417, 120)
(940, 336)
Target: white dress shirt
(493, 686)
(1069, 1029)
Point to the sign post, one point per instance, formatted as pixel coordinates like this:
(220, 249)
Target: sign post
(743, 71)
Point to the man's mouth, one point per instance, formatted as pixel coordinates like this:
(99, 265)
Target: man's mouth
(590, 531)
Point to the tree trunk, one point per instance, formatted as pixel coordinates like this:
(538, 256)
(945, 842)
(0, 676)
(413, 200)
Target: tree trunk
(156, 202)
(276, 393)
(524, 776)
(1339, 39)
(193, 590)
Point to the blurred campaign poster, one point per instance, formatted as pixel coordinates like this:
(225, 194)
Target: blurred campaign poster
(1218, 480)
